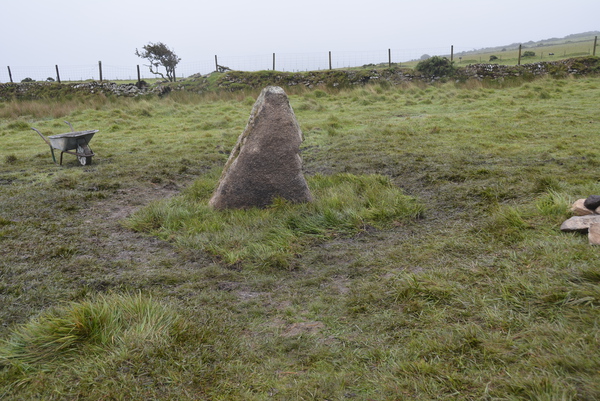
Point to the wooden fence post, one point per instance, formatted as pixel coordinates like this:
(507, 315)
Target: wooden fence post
(519, 61)
(9, 74)
(451, 53)
(57, 74)
(216, 64)
(595, 41)
(139, 76)
(390, 58)
(100, 69)
(273, 61)
(330, 60)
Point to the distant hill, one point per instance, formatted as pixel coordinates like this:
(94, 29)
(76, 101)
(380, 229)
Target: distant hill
(569, 39)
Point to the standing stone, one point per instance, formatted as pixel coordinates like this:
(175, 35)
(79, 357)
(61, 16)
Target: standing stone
(265, 162)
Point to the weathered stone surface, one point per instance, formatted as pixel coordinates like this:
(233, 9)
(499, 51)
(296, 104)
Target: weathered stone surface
(594, 234)
(580, 223)
(592, 202)
(578, 208)
(265, 162)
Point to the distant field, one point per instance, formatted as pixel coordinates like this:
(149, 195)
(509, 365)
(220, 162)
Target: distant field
(432, 267)
(542, 53)
(509, 55)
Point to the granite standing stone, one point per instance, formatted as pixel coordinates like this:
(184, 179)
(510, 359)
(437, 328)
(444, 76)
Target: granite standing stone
(265, 162)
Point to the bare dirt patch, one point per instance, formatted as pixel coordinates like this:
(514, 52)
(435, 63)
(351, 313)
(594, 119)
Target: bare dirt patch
(119, 244)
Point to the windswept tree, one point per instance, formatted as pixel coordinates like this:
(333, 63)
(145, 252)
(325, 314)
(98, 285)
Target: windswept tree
(159, 55)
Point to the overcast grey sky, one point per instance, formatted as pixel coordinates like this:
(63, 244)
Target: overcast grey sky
(79, 32)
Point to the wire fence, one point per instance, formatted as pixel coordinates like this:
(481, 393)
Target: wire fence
(287, 62)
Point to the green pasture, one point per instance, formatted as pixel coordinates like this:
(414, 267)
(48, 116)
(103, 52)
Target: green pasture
(550, 51)
(431, 265)
(545, 50)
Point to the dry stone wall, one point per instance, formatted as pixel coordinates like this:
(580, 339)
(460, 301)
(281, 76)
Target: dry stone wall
(240, 80)
(236, 80)
(45, 90)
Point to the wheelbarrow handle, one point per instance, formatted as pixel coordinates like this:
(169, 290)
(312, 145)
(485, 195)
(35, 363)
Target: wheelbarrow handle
(49, 144)
(43, 137)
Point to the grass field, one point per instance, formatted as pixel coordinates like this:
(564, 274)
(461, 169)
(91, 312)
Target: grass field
(448, 278)
(550, 51)
(545, 50)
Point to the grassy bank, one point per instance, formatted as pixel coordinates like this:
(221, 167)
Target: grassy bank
(476, 294)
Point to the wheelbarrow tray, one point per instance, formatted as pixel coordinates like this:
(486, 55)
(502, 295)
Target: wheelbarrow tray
(66, 143)
(71, 140)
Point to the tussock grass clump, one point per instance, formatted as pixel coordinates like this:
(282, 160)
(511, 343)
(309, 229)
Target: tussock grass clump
(509, 224)
(110, 347)
(10, 159)
(554, 204)
(77, 331)
(344, 204)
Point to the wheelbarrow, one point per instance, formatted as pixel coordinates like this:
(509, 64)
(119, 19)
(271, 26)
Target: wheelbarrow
(74, 143)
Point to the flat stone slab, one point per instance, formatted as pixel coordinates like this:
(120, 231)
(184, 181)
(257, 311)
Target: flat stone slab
(579, 223)
(265, 163)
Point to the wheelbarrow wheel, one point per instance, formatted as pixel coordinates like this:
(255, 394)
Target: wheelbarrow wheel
(82, 152)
